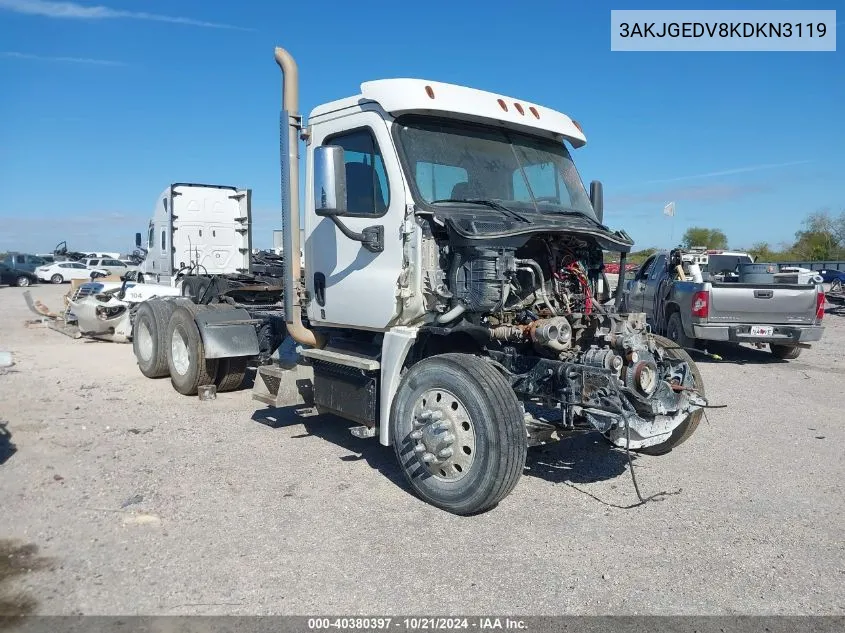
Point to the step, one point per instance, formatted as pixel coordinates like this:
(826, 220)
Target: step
(340, 358)
(280, 387)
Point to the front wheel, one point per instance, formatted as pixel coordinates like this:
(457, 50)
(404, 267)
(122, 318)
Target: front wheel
(458, 433)
(686, 428)
(57, 279)
(22, 282)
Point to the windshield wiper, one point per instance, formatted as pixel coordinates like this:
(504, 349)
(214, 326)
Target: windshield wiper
(487, 203)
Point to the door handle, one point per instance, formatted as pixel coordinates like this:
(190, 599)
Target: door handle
(320, 289)
(763, 294)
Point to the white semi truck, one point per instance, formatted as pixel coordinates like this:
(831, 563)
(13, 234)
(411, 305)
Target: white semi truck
(453, 305)
(197, 228)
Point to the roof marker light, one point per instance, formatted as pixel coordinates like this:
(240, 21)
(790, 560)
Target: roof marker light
(534, 112)
(519, 108)
(429, 91)
(503, 105)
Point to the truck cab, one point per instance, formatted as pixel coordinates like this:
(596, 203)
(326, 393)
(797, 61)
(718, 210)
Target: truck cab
(440, 150)
(196, 228)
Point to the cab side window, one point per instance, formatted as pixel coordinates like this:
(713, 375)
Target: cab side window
(659, 265)
(646, 268)
(367, 191)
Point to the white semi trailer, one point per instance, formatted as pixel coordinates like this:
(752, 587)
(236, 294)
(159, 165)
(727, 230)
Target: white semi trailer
(453, 305)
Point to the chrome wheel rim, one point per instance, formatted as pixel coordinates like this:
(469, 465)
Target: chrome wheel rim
(145, 341)
(443, 435)
(179, 352)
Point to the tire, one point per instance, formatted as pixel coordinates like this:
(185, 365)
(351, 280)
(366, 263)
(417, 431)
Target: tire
(675, 331)
(22, 282)
(483, 417)
(230, 373)
(189, 368)
(686, 428)
(194, 287)
(57, 279)
(785, 352)
(149, 337)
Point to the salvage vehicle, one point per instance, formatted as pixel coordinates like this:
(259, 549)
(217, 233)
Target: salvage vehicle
(198, 248)
(14, 277)
(784, 316)
(454, 304)
(104, 310)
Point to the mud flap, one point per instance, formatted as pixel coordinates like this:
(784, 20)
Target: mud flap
(227, 332)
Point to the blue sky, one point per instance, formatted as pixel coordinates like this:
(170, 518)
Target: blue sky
(104, 105)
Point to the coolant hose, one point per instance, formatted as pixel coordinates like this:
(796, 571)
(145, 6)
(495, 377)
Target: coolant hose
(536, 268)
(452, 314)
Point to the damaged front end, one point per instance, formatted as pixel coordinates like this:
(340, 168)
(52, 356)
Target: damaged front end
(639, 390)
(103, 316)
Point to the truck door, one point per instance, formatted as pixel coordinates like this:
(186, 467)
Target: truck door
(350, 285)
(653, 277)
(638, 286)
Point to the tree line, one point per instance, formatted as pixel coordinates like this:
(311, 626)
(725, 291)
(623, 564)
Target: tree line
(821, 237)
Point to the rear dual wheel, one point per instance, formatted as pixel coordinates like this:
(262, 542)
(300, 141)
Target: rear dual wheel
(189, 368)
(149, 338)
(166, 342)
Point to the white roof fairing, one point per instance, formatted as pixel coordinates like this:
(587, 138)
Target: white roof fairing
(402, 95)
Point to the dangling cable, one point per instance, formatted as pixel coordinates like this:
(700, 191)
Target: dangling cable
(653, 497)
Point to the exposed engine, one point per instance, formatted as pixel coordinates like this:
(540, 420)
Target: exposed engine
(542, 310)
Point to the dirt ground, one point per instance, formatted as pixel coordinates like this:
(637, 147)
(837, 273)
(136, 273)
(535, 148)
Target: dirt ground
(119, 496)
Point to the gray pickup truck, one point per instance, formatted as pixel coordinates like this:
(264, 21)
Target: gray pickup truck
(720, 307)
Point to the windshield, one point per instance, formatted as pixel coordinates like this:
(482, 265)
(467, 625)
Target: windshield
(450, 160)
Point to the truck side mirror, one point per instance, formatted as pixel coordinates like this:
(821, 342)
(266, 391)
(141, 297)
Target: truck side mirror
(329, 181)
(137, 240)
(597, 199)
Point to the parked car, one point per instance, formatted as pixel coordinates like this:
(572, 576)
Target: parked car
(829, 276)
(61, 272)
(23, 261)
(114, 266)
(14, 277)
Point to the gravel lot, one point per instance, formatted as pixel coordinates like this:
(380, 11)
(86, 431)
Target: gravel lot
(128, 498)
